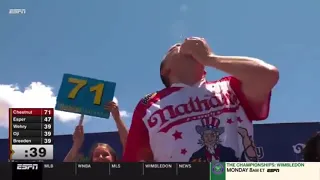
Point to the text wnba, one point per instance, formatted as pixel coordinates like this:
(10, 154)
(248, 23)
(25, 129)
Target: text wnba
(27, 166)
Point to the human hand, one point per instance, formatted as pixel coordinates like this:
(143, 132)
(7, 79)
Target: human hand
(198, 48)
(78, 136)
(114, 109)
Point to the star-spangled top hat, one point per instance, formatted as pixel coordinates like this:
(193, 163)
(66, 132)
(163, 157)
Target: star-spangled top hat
(210, 123)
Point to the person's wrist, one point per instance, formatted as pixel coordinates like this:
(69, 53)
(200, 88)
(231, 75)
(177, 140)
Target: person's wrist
(117, 118)
(76, 146)
(212, 60)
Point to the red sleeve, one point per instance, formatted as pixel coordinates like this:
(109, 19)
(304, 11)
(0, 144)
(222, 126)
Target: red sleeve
(258, 113)
(137, 147)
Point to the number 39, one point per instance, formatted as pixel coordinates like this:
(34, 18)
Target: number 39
(97, 89)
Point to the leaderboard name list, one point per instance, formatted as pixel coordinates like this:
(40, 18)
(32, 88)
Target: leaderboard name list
(27, 124)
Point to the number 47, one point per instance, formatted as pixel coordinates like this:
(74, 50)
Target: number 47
(80, 83)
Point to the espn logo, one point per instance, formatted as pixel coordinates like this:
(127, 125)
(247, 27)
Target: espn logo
(26, 167)
(273, 170)
(17, 11)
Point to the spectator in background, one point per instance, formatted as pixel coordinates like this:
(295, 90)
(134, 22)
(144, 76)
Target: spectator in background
(311, 152)
(100, 152)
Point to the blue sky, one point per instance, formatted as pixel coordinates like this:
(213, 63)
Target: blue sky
(123, 41)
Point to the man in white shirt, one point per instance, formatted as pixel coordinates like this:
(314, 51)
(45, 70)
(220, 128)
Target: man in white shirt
(195, 120)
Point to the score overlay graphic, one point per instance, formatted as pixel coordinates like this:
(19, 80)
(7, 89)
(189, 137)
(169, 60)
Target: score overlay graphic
(31, 133)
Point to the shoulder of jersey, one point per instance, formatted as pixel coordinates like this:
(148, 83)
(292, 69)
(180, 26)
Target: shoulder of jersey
(148, 97)
(224, 79)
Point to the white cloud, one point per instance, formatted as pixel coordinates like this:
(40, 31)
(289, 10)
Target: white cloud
(125, 114)
(36, 95)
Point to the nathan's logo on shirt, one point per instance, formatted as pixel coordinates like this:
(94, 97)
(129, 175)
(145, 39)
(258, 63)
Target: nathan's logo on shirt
(217, 104)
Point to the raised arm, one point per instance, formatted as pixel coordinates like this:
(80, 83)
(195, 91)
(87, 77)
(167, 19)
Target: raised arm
(253, 78)
(253, 81)
(122, 129)
(78, 138)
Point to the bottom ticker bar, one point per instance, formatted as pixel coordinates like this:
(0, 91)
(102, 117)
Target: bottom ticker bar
(160, 171)
(78, 171)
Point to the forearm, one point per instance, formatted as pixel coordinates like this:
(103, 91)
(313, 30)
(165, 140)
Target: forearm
(257, 77)
(72, 154)
(123, 131)
(245, 69)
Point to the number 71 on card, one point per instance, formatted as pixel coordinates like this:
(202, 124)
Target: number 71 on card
(85, 95)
